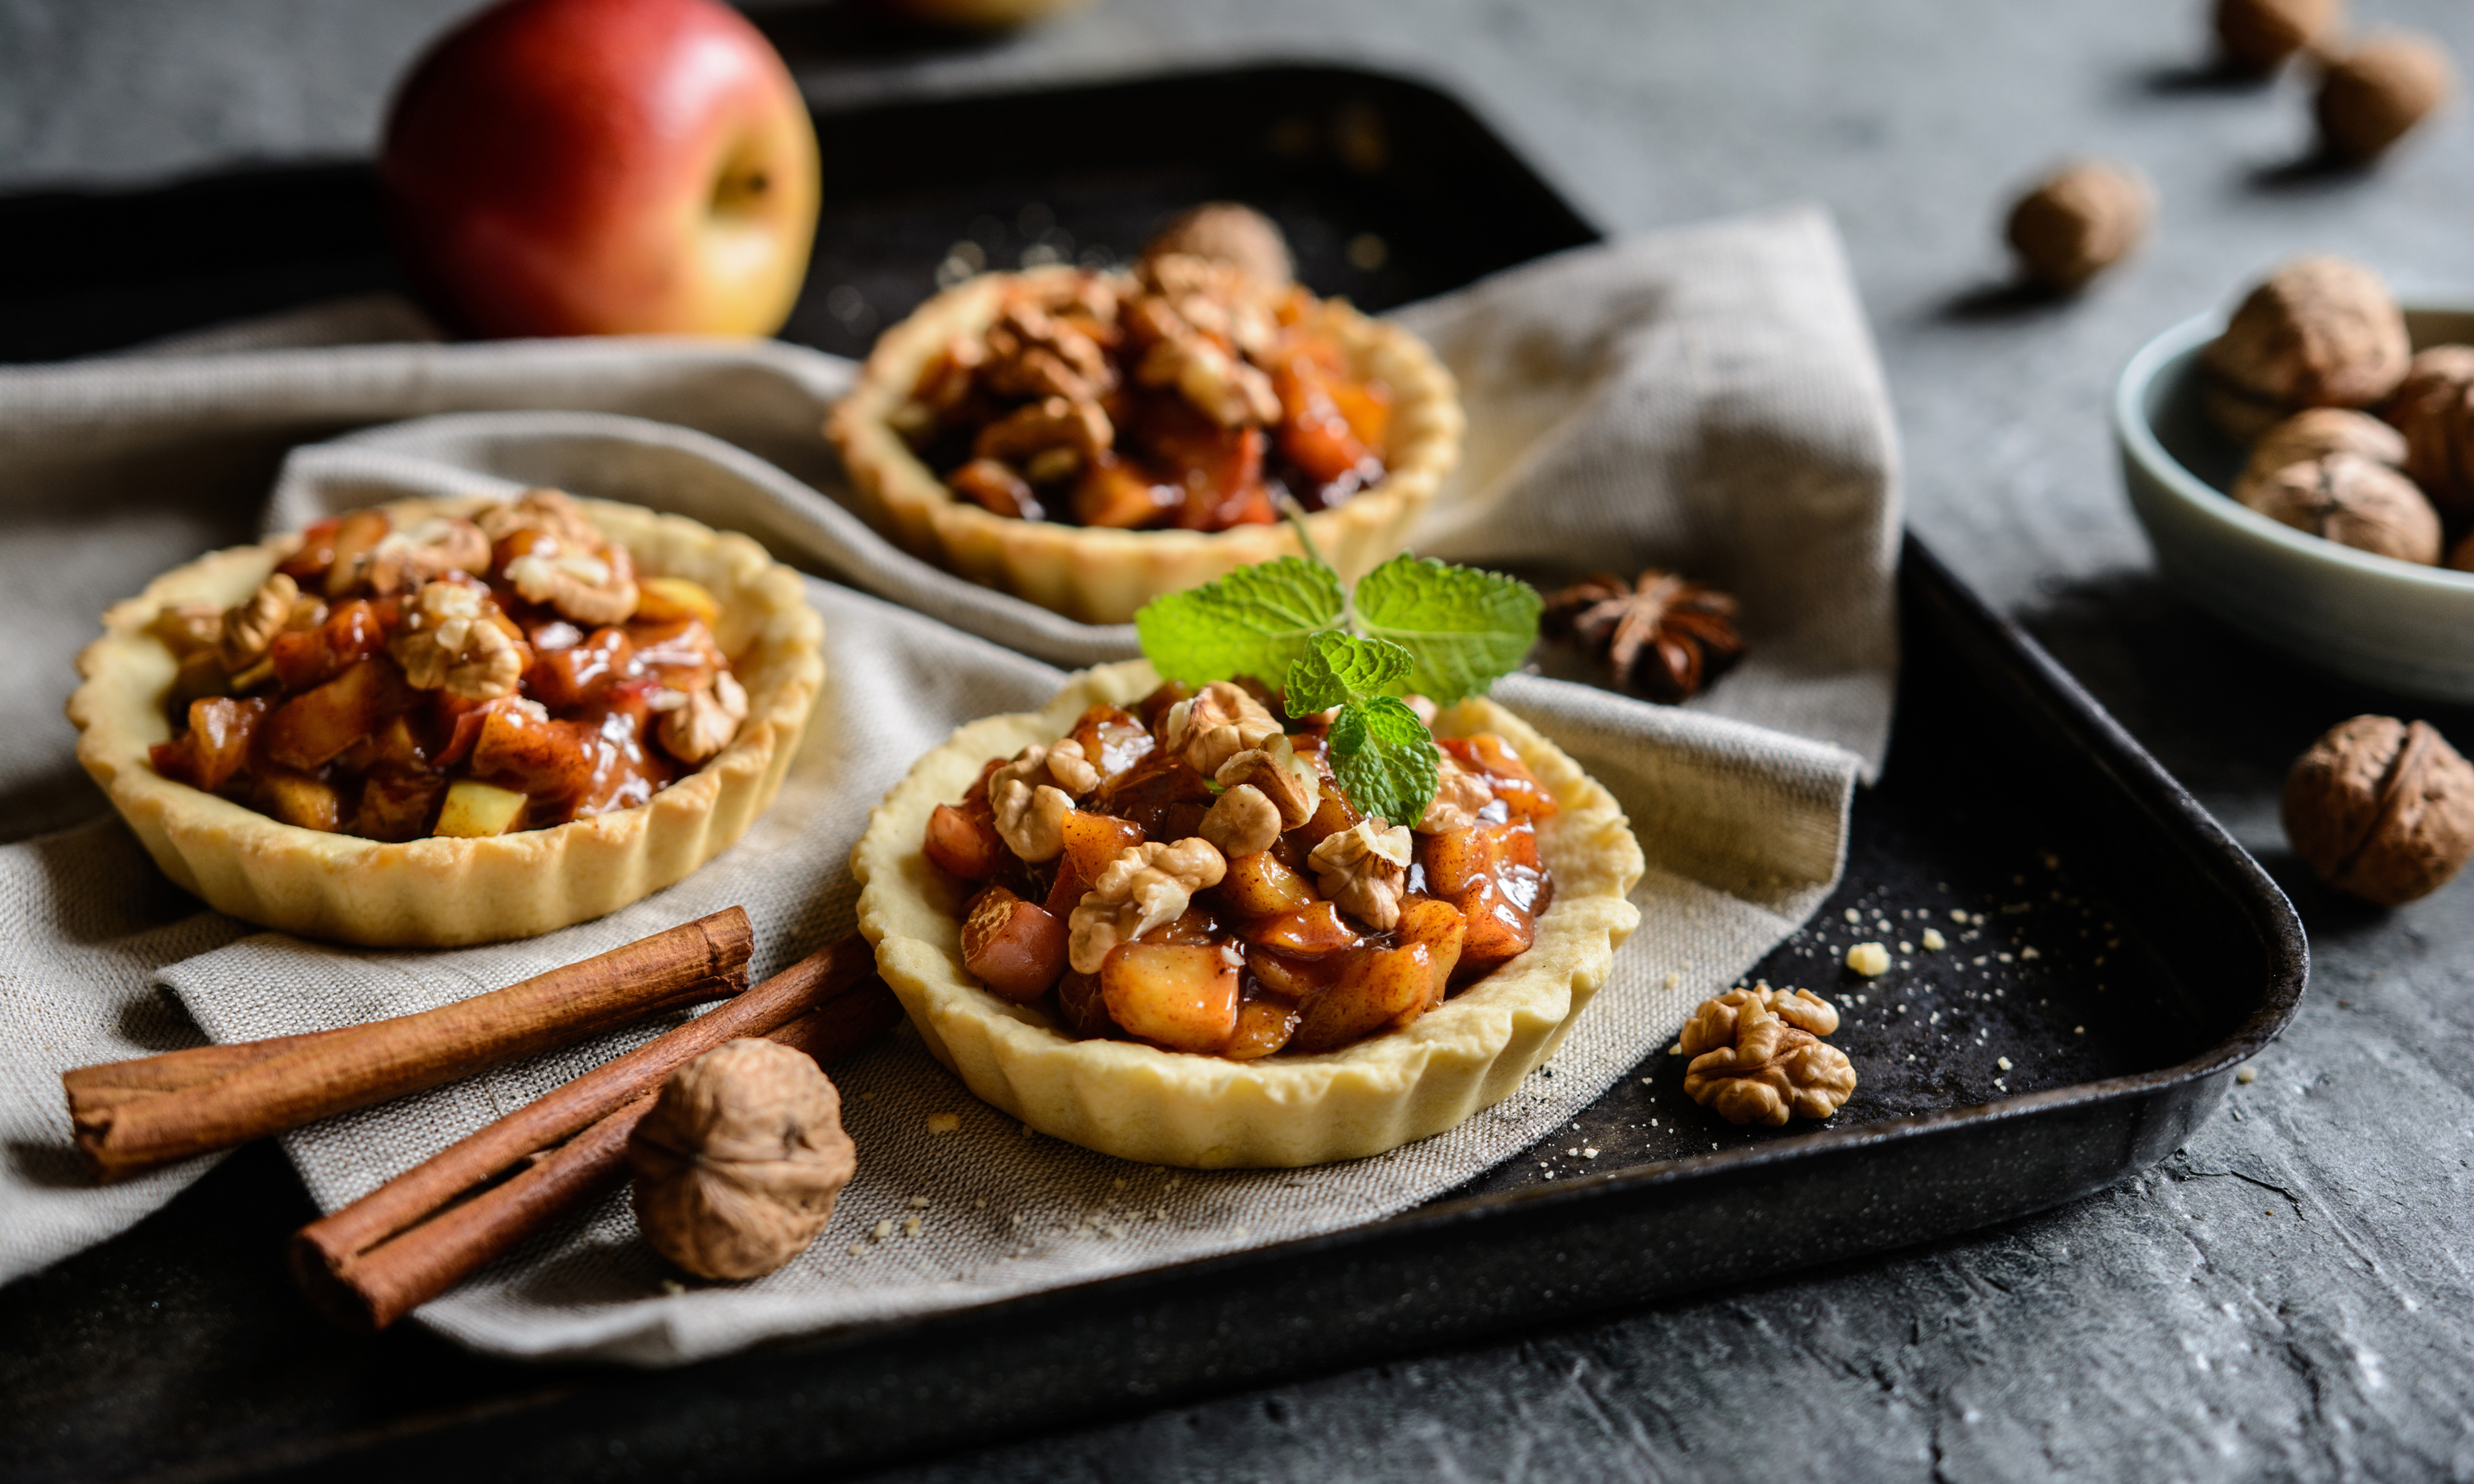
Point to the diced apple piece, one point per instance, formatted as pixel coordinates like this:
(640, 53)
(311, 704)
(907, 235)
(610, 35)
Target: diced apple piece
(661, 600)
(395, 803)
(1113, 740)
(312, 728)
(1065, 891)
(1511, 778)
(1195, 925)
(965, 843)
(1380, 990)
(1297, 978)
(1330, 817)
(1260, 886)
(1014, 948)
(1117, 494)
(357, 536)
(1440, 928)
(475, 808)
(297, 799)
(1498, 930)
(548, 759)
(1093, 840)
(1265, 1022)
(219, 736)
(1456, 861)
(1315, 931)
(1178, 995)
(1085, 1013)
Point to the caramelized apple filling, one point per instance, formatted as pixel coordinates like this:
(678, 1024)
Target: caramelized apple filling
(452, 677)
(1188, 395)
(1244, 911)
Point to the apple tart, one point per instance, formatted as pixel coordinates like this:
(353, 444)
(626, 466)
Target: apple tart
(1144, 921)
(1090, 441)
(443, 722)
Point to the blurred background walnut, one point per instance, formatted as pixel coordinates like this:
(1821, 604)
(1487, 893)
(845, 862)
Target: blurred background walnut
(2080, 220)
(2352, 501)
(738, 1164)
(2373, 96)
(2258, 36)
(2433, 411)
(1227, 232)
(2319, 332)
(2382, 809)
(1758, 1056)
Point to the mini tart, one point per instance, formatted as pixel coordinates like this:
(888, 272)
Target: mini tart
(440, 892)
(1100, 576)
(1134, 1101)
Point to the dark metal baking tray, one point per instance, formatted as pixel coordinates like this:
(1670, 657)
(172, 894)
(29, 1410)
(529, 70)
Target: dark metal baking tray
(1996, 1081)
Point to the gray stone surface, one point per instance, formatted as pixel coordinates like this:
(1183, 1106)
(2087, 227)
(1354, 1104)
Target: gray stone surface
(2290, 1296)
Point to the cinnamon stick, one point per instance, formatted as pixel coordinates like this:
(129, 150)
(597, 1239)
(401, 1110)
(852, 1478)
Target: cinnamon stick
(414, 1237)
(133, 1116)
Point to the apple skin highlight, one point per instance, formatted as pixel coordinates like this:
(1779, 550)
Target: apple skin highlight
(603, 167)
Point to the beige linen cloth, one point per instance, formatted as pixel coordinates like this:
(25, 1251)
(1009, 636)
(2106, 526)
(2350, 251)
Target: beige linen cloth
(1705, 399)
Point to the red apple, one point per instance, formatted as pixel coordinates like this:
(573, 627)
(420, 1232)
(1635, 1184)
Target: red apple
(583, 167)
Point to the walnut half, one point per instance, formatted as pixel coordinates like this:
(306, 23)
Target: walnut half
(1144, 886)
(449, 640)
(1758, 1056)
(1363, 869)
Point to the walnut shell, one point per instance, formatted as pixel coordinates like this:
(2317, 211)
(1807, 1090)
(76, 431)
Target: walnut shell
(738, 1162)
(2080, 220)
(2322, 431)
(2320, 332)
(1228, 232)
(2380, 809)
(2373, 97)
(2352, 501)
(2257, 36)
(2434, 410)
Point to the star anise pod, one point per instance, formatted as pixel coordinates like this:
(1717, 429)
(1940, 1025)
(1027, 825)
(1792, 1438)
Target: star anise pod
(1662, 634)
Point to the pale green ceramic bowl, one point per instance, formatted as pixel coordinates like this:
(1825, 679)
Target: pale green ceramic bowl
(2393, 624)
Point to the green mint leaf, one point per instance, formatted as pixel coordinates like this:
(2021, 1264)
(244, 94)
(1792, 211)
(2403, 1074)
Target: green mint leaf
(1465, 627)
(1254, 621)
(1337, 667)
(1384, 759)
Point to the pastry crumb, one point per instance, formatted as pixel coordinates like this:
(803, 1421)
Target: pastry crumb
(1869, 959)
(1933, 941)
(917, 1202)
(2002, 1062)
(673, 1285)
(855, 1248)
(944, 1122)
(2246, 1075)
(885, 1228)
(1672, 980)
(910, 1228)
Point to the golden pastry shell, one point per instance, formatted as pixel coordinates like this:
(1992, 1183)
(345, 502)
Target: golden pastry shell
(1141, 1103)
(440, 892)
(1100, 576)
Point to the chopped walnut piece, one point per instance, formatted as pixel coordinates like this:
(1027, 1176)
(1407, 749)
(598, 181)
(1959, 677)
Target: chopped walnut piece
(1459, 794)
(1363, 869)
(1288, 781)
(1218, 299)
(551, 512)
(1144, 886)
(188, 627)
(1046, 432)
(1243, 820)
(1034, 353)
(251, 624)
(430, 550)
(1216, 381)
(1216, 725)
(449, 640)
(591, 589)
(1059, 763)
(1032, 819)
(1756, 1057)
(703, 727)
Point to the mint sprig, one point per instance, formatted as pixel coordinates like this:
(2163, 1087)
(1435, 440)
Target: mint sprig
(1445, 632)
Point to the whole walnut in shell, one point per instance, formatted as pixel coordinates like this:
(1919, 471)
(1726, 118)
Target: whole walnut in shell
(2375, 95)
(2434, 410)
(1227, 233)
(2352, 501)
(2320, 332)
(2322, 431)
(2257, 36)
(2382, 809)
(738, 1162)
(2080, 220)
(1758, 1056)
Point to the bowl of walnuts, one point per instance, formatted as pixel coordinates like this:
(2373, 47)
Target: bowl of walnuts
(2305, 471)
